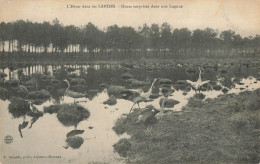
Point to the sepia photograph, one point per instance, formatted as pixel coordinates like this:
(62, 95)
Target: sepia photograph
(129, 82)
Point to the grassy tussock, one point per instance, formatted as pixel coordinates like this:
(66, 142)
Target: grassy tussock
(18, 107)
(122, 147)
(75, 142)
(42, 94)
(72, 114)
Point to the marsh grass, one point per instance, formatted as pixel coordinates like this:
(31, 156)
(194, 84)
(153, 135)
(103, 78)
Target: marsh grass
(42, 94)
(18, 107)
(75, 142)
(122, 147)
(168, 103)
(53, 108)
(74, 132)
(115, 90)
(211, 131)
(71, 114)
(3, 75)
(111, 100)
(4, 94)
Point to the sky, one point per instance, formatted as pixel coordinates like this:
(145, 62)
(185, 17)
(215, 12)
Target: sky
(241, 16)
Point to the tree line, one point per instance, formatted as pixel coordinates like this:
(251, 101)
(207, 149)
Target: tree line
(53, 37)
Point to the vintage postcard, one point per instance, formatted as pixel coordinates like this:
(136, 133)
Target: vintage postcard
(141, 82)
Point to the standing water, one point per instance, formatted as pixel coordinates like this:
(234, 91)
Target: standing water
(45, 141)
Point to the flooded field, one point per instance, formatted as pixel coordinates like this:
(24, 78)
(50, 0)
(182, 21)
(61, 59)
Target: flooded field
(106, 93)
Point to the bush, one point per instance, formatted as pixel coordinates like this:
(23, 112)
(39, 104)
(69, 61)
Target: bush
(75, 142)
(122, 147)
(72, 114)
(18, 107)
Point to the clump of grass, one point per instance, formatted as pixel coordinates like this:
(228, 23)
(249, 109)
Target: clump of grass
(74, 132)
(127, 76)
(12, 83)
(120, 125)
(4, 94)
(111, 100)
(53, 108)
(72, 114)
(122, 147)
(168, 103)
(3, 75)
(18, 107)
(115, 90)
(55, 82)
(38, 101)
(125, 123)
(42, 94)
(60, 74)
(75, 142)
(253, 103)
(165, 81)
(35, 114)
(200, 96)
(72, 75)
(217, 87)
(136, 83)
(92, 93)
(69, 69)
(77, 81)
(224, 90)
(194, 102)
(79, 88)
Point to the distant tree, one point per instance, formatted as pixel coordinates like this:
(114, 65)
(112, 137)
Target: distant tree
(145, 41)
(155, 36)
(39, 37)
(92, 37)
(166, 36)
(112, 37)
(227, 39)
(181, 40)
(3, 34)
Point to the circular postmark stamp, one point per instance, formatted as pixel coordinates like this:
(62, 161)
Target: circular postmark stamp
(8, 139)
